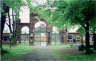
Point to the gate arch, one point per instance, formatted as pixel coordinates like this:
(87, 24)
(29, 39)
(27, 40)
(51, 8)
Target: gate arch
(31, 25)
(20, 26)
(33, 21)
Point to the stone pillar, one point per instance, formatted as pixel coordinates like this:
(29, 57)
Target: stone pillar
(74, 38)
(18, 36)
(63, 37)
(49, 38)
(31, 37)
(49, 30)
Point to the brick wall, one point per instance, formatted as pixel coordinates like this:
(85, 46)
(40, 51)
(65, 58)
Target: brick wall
(5, 38)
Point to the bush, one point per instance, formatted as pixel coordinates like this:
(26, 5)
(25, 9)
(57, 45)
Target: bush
(92, 51)
(89, 51)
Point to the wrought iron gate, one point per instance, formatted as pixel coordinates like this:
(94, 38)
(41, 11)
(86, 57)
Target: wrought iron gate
(24, 38)
(55, 38)
(40, 36)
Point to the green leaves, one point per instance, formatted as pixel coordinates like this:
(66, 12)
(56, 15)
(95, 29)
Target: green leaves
(17, 4)
(68, 13)
(75, 13)
(37, 18)
(5, 14)
(81, 31)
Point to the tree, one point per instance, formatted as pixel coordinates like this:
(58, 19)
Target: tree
(15, 5)
(0, 26)
(72, 13)
(3, 17)
(80, 13)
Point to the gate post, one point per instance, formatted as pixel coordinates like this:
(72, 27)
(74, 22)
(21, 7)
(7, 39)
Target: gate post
(18, 36)
(31, 41)
(49, 38)
(62, 37)
(31, 33)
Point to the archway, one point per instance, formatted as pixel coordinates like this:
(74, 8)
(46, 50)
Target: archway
(33, 21)
(31, 26)
(25, 35)
(40, 33)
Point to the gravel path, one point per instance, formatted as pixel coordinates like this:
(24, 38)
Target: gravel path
(45, 53)
(39, 53)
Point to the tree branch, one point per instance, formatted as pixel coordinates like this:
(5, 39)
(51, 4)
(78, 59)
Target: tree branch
(83, 26)
(62, 7)
(9, 23)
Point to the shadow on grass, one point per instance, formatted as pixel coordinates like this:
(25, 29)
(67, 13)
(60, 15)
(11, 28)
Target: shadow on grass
(4, 51)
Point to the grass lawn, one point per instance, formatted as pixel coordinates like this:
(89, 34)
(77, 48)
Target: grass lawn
(73, 56)
(58, 46)
(15, 51)
(64, 52)
(68, 53)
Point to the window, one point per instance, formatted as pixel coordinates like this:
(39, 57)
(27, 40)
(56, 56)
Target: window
(74, 37)
(70, 38)
(5, 38)
(78, 38)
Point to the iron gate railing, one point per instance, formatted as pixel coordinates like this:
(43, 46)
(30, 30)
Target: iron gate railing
(24, 38)
(55, 38)
(40, 36)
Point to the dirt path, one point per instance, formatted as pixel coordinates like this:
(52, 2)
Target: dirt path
(46, 53)
(39, 53)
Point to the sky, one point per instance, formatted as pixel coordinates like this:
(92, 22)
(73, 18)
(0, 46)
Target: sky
(25, 18)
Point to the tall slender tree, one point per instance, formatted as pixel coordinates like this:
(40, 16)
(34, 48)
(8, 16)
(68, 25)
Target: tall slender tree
(15, 5)
(3, 18)
(0, 25)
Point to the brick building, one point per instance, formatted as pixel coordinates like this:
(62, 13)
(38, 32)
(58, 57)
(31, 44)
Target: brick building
(71, 38)
(5, 38)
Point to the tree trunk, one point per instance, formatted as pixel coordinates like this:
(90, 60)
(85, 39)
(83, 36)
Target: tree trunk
(3, 20)
(3, 17)
(94, 41)
(0, 25)
(87, 37)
